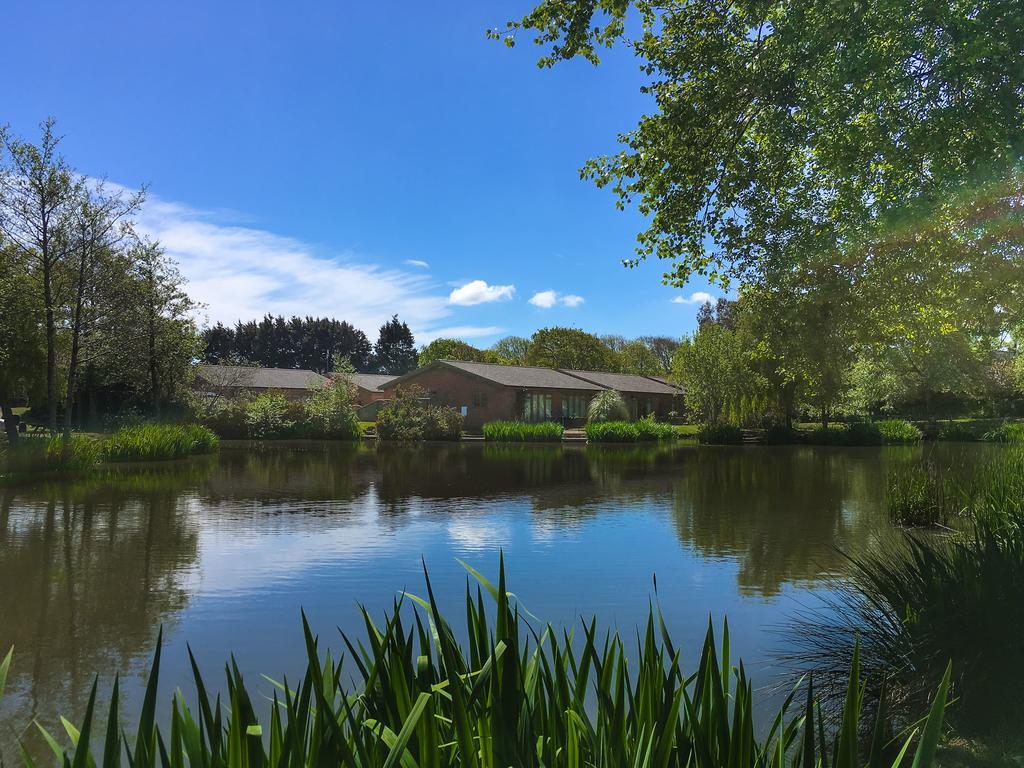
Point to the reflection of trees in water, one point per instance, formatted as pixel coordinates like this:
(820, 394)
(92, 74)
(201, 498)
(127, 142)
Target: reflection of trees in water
(783, 513)
(89, 570)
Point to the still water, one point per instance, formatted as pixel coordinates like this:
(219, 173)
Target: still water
(223, 552)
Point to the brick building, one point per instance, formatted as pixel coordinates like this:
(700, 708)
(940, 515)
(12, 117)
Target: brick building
(488, 392)
(369, 387)
(237, 380)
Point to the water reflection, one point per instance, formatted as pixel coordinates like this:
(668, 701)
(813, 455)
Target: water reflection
(224, 551)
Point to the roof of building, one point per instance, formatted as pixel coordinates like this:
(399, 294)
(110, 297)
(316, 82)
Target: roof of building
(627, 382)
(528, 377)
(519, 376)
(246, 377)
(373, 381)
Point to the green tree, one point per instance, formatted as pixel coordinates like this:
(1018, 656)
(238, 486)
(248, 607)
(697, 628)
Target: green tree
(570, 348)
(512, 349)
(22, 337)
(713, 369)
(451, 349)
(637, 357)
(395, 349)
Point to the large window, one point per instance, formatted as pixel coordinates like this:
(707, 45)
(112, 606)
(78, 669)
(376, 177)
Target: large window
(536, 407)
(575, 406)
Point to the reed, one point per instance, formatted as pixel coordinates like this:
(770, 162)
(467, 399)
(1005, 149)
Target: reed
(410, 695)
(642, 430)
(34, 455)
(522, 432)
(155, 442)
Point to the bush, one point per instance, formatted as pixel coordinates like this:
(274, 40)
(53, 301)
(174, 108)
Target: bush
(898, 432)
(824, 436)
(611, 432)
(720, 434)
(523, 432)
(416, 696)
(152, 442)
(411, 416)
(330, 411)
(863, 433)
(266, 417)
(957, 432)
(1005, 433)
(226, 417)
(28, 455)
(607, 405)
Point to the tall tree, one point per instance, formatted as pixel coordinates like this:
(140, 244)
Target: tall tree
(512, 349)
(570, 348)
(38, 193)
(712, 366)
(395, 349)
(663, 347)
(22, 344)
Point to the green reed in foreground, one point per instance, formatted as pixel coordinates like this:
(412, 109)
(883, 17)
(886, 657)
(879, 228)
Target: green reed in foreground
(522, 432)
(511, 696)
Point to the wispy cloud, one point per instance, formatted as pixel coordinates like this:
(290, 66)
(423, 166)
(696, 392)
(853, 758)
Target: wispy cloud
(242, 272)
(548, 299)
(417, 263)
(459, 332)
(479, 292)
(697, 297)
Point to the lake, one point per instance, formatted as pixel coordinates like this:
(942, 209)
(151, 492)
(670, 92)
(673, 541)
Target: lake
(223, 552)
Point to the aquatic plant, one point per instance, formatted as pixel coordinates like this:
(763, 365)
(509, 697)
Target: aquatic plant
(957, 432)
(29, 455)
(898, 432)
(513, 695)
(1012, 432)
(607, 405)
(154, 442)
(720, 434)
(641, 430)
(522, 432)
(918, 603)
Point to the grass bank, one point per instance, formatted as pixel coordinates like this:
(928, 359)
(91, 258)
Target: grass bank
(514, 694)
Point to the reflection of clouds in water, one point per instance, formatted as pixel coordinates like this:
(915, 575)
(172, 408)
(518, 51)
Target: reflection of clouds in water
(242, 557)
(479, 534)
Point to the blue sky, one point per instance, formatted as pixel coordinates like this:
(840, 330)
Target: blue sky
(351, 159)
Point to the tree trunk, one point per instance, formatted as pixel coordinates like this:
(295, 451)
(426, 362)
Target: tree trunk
(825, 414)
(51, 350)
(10, 425)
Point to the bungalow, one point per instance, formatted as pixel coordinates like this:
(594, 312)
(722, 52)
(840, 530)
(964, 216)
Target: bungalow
(489, 392)
(235, 380)
(369, 387)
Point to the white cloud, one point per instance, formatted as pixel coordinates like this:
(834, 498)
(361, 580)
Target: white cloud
(459, 332)
(548, 299)
(241, 273)
(417, 263)
(479, 292)
(697, 297)
(544, 299)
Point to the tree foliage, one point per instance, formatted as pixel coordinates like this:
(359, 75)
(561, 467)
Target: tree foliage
(570, 348)
(395, 349)
(452, 349)
(712, 366)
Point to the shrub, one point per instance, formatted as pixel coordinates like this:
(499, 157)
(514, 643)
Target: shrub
(611, 432)
(330, 411)
(863, 433)
(957, 432)
(226, 417)
(1005, 433)
(780, 434)
(416, 696)
(898, 432)
(720, 434)
(607, 405)
(27, 455)
(266, 417)
(152, 442)
(824, 436)
(411, 416)
(523, 432)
